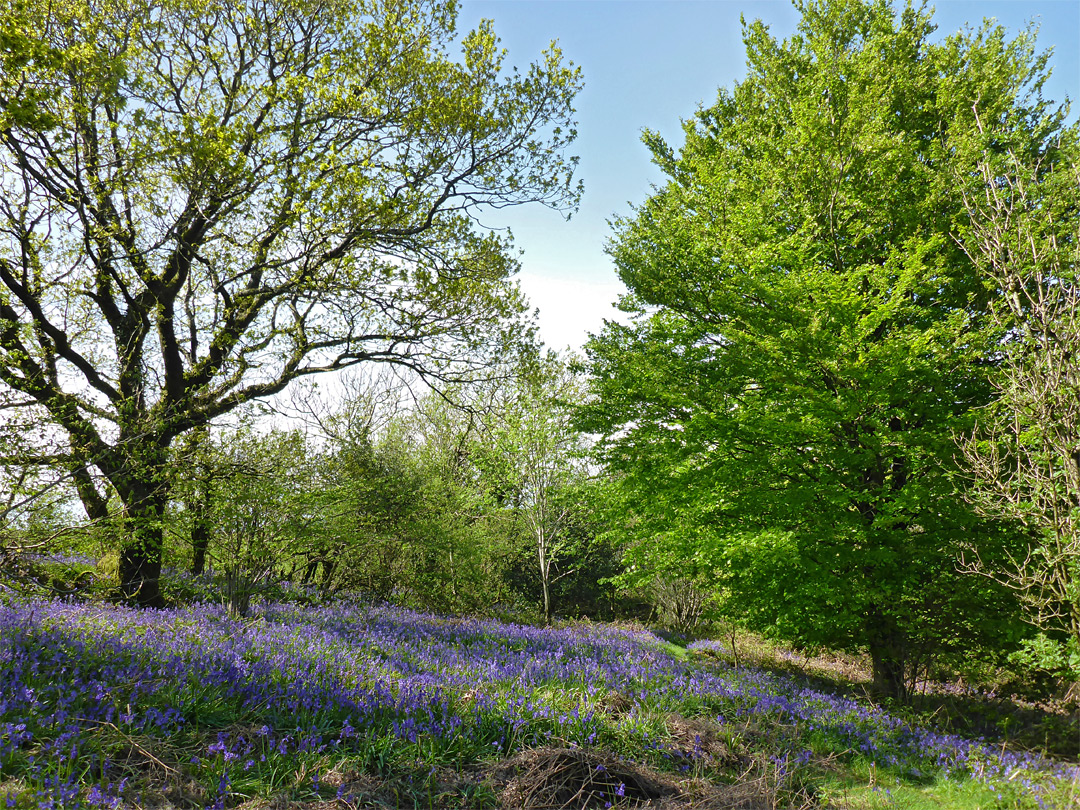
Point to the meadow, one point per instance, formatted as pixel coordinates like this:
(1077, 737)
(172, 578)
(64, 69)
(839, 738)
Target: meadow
(353, 703)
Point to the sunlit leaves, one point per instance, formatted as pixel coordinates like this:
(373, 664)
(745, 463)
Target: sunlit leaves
(809, 335)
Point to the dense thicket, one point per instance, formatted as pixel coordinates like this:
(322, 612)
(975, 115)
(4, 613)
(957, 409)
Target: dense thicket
(479, 503)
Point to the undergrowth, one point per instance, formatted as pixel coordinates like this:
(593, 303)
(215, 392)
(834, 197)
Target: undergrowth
(359, 704)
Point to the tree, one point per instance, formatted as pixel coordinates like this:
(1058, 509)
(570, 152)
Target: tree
(367, 491)
(372, 507)
(809, 336)
(199, 481)
(404, 513)
(461, 542)
(22, 103)
(248, 503)
(203, 201)
(264, 524)
(538, 462)
(1024, 235)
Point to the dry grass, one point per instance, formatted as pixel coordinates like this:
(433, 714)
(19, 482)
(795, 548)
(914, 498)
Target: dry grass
(557, 778)
(697, 738)
(565, 778)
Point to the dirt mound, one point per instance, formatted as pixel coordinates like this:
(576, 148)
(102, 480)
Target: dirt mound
(697, 738)
(540, 779)
(557, 778)
(616, 704)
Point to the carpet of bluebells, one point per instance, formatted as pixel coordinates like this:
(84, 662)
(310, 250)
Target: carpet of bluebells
(86, 689)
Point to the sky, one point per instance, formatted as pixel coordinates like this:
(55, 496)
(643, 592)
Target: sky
(649, 64)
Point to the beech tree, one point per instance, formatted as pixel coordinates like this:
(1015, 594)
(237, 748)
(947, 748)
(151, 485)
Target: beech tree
(810, 336)
(203, 200)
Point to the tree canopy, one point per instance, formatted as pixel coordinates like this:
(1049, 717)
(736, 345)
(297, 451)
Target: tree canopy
(204, 200)
(809, 336)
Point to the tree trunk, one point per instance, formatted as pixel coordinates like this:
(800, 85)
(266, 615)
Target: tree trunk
(200, 541)
(545, 572)
(547, 603)
(140, 556)
(200, 526)
(887, 643)
(238, 592)
(328, 567)
(200, 496)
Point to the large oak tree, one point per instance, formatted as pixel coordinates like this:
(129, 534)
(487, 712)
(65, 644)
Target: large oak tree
(810, 336)
(203, 200)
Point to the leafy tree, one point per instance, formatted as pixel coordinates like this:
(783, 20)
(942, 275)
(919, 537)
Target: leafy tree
(269, 514)
(450, 501)
(538, 463)
(463, 540)
(21, 53)
(589, 563)
(366, 489)
(371, 507)
(205, 200)
(1024, 234)
(810, 336)
(405, 514)
(245, 506)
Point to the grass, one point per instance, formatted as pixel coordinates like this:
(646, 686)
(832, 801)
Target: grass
(861, 790)
(354, 704)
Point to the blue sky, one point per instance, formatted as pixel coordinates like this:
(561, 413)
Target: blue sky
(650, 64)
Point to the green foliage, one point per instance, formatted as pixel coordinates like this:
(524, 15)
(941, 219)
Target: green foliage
(1021, 233)
(451, 500)
(537, 465)
(1057, 657)
(21, 53)
(809, 338)
(369, 505)
(424, 502)
(250, 499)
(408, 516)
